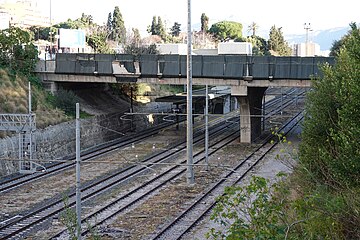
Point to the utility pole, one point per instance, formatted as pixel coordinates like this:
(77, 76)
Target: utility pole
(189, 142)
(78, 186)
(31, 129)
(50, 50)
(307, 27)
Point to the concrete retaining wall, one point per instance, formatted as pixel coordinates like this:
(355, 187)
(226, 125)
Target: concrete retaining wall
(58, 141)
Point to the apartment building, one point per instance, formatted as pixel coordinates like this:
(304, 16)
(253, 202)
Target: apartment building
(21, 13)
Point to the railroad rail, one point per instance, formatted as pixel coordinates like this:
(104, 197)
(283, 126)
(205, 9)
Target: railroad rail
(13, 229)
(19, 226)
(184, 222)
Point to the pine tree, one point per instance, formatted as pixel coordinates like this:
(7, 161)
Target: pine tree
(277, 43)
(153, 26)
(118, 27)
(175, 30)
(160, 29)
(204, 23)
(109, 23)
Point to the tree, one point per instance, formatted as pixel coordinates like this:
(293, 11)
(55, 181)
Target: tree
(250, 212)
(109, 23)
(253, 27)
(204, 23)
(338, 44)
(17, 51)
(40, 32)
(86, 19)
(260, 45)
(134, 50)
(136, 36)
(153, 28)
(160, 29)
(175, 30)
(97, 39)
(329, 151)
(226, 30)
(333, 117)
(277, 43)
(118, 27)
(157, 28)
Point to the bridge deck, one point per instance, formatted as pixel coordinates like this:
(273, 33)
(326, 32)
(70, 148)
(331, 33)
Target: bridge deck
(217, 66)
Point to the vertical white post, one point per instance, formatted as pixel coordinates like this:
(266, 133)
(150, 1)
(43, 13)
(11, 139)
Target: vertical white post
(281, 108)
(263, 111)
(78, 192)
(31, 130)
(20, 154)
(207, 128)
(189, 144)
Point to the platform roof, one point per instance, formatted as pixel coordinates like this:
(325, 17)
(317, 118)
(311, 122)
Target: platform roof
(197, 95)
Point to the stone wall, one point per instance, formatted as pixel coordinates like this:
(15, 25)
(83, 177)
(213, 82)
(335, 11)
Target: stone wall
(56, 142)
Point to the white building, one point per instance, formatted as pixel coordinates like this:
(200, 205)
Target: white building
(172, 48)
(23, 13)
(4, 20)
(242, 48)
(309, 49)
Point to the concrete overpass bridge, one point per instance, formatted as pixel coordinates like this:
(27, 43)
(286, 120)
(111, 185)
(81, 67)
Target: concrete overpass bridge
(248, 76)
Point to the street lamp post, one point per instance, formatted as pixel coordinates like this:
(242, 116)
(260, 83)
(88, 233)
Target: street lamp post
(307, 27)
(50, 50)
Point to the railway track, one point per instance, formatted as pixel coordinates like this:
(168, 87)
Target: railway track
(126, 201)
(15, 228)
(184, 222)
(106, 148)
(85, 156)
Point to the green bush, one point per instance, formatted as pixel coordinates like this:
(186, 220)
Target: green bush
(249, 212)
(330, 141)
(66, 101)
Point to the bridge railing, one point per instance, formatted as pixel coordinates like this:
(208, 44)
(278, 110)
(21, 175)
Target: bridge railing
(206, 66)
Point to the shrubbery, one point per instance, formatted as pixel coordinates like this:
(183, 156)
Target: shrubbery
(66, 101)
(330, 143)
(321, 200)
(17, 51)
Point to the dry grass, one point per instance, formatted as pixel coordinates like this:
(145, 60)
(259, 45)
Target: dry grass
(14, 99)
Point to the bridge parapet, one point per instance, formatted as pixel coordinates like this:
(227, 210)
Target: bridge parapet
(217, 66)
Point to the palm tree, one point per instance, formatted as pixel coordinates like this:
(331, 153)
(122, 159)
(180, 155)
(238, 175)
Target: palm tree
(253, 27)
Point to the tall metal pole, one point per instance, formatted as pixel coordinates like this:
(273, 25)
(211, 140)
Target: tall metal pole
(131, 108)
(307, 27)
(31, 129)
(207, 127)
(78, 192)
(281, 108)
(189, 143)
(263, 111)
(50, 51)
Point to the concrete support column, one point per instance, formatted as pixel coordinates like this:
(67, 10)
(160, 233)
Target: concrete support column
(50, 86)
(250, 114)
(245, 122)
(53, 87)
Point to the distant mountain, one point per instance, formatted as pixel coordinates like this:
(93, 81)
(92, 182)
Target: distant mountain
(324, 38)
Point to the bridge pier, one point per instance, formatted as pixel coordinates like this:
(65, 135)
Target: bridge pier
(250, 114)
(51, 86)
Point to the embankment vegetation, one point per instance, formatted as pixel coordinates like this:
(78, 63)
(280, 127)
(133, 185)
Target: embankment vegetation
(321, 198)
(18, 58)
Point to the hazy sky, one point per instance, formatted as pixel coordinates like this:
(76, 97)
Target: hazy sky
(290, 15)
